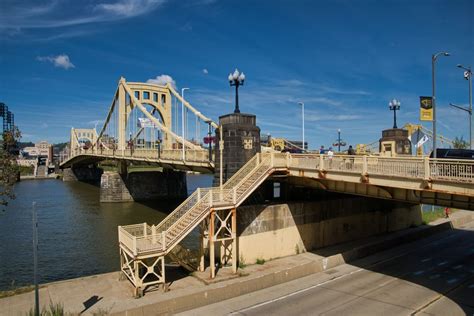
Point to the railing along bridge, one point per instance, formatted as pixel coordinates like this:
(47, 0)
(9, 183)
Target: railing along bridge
(417, 180)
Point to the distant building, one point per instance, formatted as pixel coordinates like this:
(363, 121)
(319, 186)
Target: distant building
(43, 148)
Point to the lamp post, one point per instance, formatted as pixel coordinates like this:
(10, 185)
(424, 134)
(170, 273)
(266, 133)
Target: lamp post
(182, 119)
(302, 119)
(394, 106)
(236, 79)
(339, 140)
(468, 76)
(433, 64)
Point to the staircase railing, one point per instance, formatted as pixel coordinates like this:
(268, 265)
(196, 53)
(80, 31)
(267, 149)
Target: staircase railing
(143, 238)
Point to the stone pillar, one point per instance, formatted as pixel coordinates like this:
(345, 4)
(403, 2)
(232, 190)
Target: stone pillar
(90, 174)
(142, 186)
(395, 141)
(241, 137)
(113, 188)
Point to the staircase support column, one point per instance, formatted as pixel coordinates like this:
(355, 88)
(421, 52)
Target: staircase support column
(234, 240)
(212, 254)
(201, 248)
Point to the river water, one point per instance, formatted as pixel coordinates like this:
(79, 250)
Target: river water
(77, 233)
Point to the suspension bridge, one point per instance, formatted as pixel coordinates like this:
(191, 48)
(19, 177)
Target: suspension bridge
(142, 127)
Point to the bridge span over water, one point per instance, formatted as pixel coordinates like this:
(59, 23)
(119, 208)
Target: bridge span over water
(142, 127)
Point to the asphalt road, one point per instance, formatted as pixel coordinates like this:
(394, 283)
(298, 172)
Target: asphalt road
(432, 276)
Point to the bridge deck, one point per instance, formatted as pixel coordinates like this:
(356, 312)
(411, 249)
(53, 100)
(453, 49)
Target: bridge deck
(194, 160)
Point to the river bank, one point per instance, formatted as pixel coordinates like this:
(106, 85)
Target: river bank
(77, 233)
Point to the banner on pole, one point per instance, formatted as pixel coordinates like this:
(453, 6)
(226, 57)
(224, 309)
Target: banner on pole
(145, 122)
(423, 140)
(426, 109)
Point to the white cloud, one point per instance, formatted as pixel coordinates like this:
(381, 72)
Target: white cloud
(129, 8)
(162, 80)
(54, 13)
(205, 71)
(61, 61)
(95, 122)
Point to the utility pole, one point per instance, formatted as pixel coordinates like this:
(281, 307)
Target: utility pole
(35, 258)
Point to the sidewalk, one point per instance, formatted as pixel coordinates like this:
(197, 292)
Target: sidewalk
(105, 294)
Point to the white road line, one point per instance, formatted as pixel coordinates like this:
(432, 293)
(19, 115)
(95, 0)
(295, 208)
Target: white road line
(294, 293)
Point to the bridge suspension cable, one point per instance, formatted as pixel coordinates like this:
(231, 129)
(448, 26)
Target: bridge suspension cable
(144, 115)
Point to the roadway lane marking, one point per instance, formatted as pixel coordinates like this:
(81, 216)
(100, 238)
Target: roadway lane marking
(295, 293)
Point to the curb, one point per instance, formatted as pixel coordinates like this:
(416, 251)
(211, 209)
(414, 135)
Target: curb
(221, 291)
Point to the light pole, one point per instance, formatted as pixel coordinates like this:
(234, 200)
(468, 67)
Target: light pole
(394, 106)
(468, 76)
(433, 63)
(302, 118)
(236, 79)
(339, 140)
(182, 119)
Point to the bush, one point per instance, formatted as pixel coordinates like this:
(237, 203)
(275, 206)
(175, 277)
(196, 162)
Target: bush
(260, 261)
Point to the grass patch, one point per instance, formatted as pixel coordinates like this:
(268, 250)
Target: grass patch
(53, 310)
(260, 261)
(16, 291)
(242, 264)
(429, 216)
(26, 170)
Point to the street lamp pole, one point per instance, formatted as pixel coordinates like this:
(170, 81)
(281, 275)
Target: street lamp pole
(394, 106)
(339, 140)
(468, 76)
(302, 118)
(182, 120)
(433, 63)
(236, 79)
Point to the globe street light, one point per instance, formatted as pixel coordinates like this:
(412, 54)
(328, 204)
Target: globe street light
(302, 114)
(394, 106)
(433, 64)
(236, 79)
(468, 76)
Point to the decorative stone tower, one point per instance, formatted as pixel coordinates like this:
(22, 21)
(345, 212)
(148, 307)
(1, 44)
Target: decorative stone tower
(241, 137)
(395, 142)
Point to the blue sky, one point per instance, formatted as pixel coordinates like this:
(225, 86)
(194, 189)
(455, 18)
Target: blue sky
(61, 61)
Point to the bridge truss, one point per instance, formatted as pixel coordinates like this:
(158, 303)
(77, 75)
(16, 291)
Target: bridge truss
(144, 121)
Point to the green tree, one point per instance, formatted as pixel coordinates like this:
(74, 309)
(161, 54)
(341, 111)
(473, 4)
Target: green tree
(460, 143)
(8, 167)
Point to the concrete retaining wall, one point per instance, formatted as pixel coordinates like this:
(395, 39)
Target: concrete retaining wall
(273, 231)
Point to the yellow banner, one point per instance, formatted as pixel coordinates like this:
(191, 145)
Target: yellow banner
(426, 109)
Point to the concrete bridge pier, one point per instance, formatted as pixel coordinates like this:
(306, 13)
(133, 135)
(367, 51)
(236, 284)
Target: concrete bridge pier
(125, 185)
(87, 173)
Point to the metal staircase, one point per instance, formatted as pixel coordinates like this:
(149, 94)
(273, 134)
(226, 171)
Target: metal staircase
(144, 245)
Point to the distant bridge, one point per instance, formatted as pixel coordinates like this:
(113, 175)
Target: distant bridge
(141, 127)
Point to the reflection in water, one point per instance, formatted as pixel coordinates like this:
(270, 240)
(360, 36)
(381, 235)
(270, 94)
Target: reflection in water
(77, 234)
